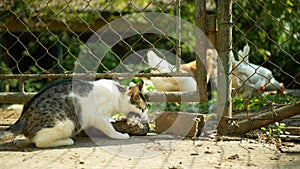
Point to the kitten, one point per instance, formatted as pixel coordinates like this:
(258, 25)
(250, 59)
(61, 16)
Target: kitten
(64, 108)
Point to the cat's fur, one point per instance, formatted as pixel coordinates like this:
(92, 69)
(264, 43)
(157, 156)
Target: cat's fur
(62, 109)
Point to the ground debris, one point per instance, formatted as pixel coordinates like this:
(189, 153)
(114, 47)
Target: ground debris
(233, 157)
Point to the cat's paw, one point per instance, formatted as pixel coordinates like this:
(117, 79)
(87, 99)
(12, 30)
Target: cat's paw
(120, 136)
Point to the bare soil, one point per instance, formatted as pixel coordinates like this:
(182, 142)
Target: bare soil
(151, 151)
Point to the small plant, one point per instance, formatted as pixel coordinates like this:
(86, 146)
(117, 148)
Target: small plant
(273, 132)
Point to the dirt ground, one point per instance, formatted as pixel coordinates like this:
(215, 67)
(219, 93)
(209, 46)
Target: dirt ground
(152, 151)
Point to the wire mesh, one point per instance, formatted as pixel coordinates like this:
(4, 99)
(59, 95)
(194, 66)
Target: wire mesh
(44, 38)
(270, 28)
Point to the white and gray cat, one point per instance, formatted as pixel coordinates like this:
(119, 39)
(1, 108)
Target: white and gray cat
(62, 109)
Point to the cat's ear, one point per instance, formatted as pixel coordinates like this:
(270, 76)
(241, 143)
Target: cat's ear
(140, 85)
(133, 91)
(136, 89)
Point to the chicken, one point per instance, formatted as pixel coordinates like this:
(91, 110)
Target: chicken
(211, 66)
(181, 83)
(191, 66)
(248, 78)
(268, 81)
(169, 83)
(245, 80)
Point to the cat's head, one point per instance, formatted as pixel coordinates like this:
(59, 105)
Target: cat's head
(139, 103)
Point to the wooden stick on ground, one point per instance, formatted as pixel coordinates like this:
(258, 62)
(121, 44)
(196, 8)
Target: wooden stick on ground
(265, 119)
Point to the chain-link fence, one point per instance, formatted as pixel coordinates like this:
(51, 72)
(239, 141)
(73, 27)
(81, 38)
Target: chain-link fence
(266, 50)
(40, 41)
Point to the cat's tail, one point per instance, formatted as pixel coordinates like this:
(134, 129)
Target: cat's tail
(13, 131)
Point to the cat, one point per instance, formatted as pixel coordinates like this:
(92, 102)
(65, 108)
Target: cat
(62, 109)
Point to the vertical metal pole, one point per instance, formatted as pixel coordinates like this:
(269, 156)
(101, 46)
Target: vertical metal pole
(59, 53)
(178, 33)
(224, 76)
(201, 44)
(1, 63)
(211, 28)
(21, 86)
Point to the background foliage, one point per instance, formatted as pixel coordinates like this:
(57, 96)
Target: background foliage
(270, 27)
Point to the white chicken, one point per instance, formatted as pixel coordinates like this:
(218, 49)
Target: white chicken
(181, 83)
(268, 81)
(169, 83)
(245, 80)
(248, 78)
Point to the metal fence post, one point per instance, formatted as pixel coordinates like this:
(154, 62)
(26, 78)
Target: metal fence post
(211, 29)
(224, 76)
(178, 33)
(201, 45)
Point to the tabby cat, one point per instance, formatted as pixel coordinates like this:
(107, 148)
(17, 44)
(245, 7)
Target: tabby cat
(62, 109)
